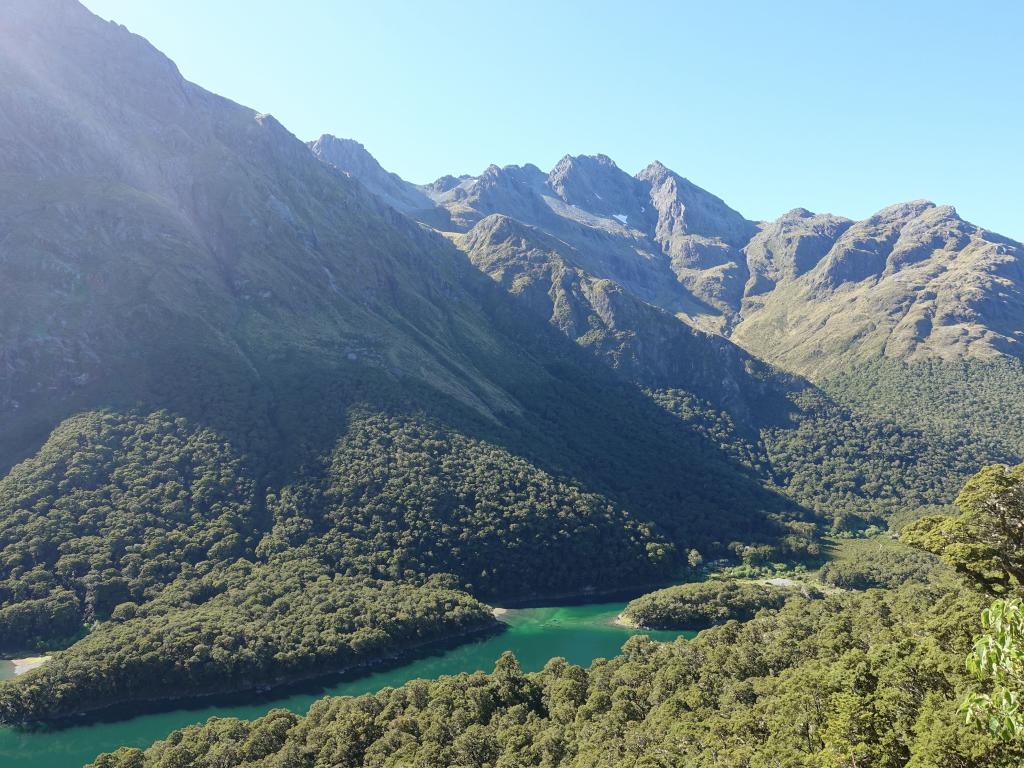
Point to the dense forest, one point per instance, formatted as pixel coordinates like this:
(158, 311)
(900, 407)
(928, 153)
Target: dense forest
(237, 628)
(877, 562)
(973, 403)
(849, 466)
(115, 506)
(853, 677)
(703, 604)
(401, 498)
(111, 510)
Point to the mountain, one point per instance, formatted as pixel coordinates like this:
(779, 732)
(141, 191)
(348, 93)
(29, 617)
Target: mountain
(914, 281)
(811, 293)
(224, 352)
(219, 347)
(906, 322)
(271, 412)
(641, 340)
(912, 315)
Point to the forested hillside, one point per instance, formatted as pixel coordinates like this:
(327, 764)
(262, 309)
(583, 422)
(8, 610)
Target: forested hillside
(240, 628)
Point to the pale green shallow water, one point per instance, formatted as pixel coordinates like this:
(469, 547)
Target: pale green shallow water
(579, 633)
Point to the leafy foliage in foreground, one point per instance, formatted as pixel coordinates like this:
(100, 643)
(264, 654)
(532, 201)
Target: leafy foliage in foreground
(706, 603)
(866, 679)
(998, 661)
(242, 627)
(986, 541)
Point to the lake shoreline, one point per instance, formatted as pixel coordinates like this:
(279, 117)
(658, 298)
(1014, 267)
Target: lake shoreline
(580, 634)
(585, 596)
(23, 665)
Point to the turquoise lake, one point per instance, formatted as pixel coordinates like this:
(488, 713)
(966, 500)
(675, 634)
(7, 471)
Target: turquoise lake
(580, 633)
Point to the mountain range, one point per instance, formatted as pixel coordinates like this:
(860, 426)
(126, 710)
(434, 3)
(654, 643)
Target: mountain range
(224, 351)
(674, 288)
(809, 293)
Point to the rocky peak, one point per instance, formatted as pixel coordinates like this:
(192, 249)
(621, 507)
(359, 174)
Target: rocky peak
(512, 190)
(347, 154)
(596, 184)
(498, 228)
(509, 177)
(686, 209)
(864, 250)
(789, 247)
(353, 159)
(445, 183)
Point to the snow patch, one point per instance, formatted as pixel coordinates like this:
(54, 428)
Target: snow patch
(621, 217)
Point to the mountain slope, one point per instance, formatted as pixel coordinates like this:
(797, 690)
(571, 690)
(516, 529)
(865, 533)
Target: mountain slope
(642, 341)
(914, 281)
(632, 267)
(200, 319)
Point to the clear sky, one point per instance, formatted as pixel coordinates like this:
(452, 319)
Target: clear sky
(830, 105)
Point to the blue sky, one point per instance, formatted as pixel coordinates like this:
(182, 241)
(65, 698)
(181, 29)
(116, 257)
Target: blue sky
(833, 106)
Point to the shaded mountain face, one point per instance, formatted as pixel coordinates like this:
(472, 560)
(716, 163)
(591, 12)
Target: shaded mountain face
(640, 340)
(152, 227)
(167, 251)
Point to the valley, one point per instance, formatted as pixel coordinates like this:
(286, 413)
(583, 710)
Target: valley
(279, 428)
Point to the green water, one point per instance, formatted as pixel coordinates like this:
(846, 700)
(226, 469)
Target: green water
(579, 633)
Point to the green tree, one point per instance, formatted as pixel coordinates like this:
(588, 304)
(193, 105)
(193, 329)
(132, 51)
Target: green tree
(998, 661)
(986, 541)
